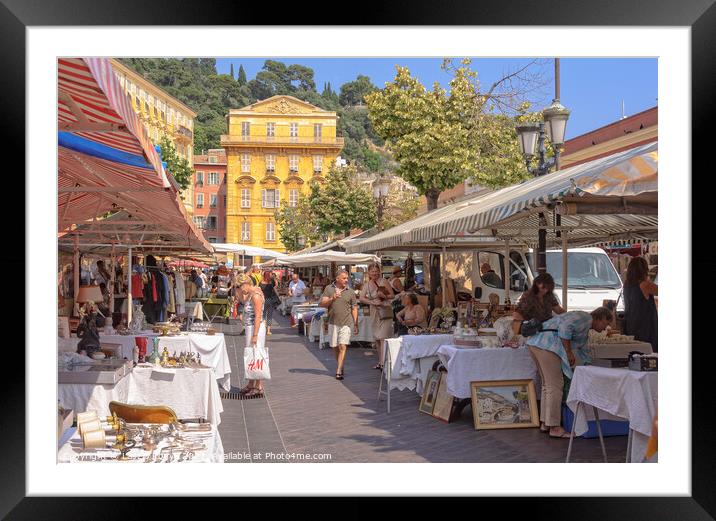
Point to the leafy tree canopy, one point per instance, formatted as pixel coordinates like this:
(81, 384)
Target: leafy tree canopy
(177, 166)
(342, 203)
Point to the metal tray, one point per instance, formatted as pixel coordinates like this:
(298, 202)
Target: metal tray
(100, 372)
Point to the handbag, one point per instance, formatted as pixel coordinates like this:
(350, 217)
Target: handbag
(256, 363)
(385, 313)
(531, 327)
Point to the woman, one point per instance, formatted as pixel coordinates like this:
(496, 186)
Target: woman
(412, 313)
(253, 304)
(394, 281)
(378, 293)
(538, 302)
(271, 299)
(639, 303)
(555, 352)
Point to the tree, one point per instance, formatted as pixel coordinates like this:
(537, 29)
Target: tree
(354, 92)
(231, 72)
(242, 76)
(296, 227)
(441, 139)
(342, 204)
(177, 166)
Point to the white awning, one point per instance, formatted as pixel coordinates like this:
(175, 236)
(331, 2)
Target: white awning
(324, 258)
(243, 249)
(629, 176)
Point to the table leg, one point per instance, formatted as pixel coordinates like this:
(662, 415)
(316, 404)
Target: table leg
(574, 427)
(599, 431)
(629, 443)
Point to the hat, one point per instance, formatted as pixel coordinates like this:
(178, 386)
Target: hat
(397, 269)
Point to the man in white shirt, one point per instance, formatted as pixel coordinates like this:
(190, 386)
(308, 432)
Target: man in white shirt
(296, 289)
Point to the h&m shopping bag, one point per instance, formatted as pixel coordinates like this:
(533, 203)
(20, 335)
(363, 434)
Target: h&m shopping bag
(256, 363)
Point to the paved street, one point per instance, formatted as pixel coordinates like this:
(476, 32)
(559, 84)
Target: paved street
(307, 411)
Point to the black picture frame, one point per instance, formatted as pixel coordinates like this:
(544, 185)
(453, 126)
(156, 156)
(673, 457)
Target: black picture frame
(699, 15)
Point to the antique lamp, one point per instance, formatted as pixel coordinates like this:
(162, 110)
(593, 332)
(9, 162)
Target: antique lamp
(89, 295)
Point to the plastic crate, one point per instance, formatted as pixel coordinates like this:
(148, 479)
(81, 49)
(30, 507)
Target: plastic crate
(609, 427)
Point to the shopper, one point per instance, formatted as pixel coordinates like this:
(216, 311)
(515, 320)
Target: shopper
(342, 307)
(256, 275)
(102, 275)
(556, 352)
(378, 293)
(539, 302)
(296, 289)
(271, 298)
(412, 314)
(641, 317)
(253, 303)
(395, 282)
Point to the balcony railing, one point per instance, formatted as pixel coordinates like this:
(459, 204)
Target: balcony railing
(184, 131)
(282, 140)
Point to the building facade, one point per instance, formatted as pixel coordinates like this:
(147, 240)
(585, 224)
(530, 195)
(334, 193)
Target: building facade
(209, 185)
(274, 149)
(162, 115)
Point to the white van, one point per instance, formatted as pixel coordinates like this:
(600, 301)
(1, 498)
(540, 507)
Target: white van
(591, 276)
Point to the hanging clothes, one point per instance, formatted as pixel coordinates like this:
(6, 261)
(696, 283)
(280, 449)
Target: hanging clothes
(180, 293)
(171, 308)
(137, 286)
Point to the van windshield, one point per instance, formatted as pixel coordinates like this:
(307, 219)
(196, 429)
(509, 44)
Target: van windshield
(584, 270)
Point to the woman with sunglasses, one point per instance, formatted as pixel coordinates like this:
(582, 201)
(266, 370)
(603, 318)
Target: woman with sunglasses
(537, 302)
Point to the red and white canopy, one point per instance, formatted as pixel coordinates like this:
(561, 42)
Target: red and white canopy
(106, 163)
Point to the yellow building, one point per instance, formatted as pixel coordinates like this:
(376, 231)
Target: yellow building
(162, 115)
(274, 148)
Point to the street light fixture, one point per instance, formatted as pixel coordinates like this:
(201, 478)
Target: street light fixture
(381, 186)
(531, 137)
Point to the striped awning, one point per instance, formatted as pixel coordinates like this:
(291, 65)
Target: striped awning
(106, 160)
(511, 211)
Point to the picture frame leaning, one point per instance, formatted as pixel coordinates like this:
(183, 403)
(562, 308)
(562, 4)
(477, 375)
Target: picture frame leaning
(504, 404)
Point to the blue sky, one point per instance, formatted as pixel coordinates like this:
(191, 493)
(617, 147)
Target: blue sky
(592, 88)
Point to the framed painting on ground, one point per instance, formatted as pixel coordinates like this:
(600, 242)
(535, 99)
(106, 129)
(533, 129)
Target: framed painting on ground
(430, 392)
(443, 408)
(504, 404)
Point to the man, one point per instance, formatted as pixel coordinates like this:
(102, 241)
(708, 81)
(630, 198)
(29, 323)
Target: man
(256, 275)
(489, 276)
(296, 288)
(204, 291)
(342, 306)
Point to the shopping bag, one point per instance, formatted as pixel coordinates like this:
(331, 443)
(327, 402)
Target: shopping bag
(256, 363)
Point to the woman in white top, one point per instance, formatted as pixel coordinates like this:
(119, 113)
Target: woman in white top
(378, 293)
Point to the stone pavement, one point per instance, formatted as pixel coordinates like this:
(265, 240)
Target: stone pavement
(306, 411)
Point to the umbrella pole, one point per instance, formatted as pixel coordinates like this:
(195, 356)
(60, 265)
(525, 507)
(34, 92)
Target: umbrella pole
(443, 282)
(111, 283)
(565, 270)
(76, 277)
(506, 267)
(129, 286)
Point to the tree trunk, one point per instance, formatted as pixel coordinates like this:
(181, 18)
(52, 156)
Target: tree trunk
(432, 197)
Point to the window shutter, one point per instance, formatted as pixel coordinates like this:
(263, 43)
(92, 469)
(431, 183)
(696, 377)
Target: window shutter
(277, 200)
(263, 198)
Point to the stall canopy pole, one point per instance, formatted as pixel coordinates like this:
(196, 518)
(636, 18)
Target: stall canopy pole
(506, 266)
(443, 282)
(129, 286)
(565, 269)
(111, 283)
(76, 278)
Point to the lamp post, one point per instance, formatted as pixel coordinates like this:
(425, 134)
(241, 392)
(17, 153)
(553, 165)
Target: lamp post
(381, 186)
(531, 138)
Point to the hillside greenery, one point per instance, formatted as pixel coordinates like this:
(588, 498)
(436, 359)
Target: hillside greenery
(196, 83)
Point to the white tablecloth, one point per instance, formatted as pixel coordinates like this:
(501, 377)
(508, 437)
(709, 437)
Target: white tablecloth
(411, 357)
(91, 397)
(72, 451)
(211, 347)
(467, 365)
(192, 393)
(365, 331)
(625, 394)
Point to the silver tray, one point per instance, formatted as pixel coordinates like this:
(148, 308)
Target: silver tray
(99, 372)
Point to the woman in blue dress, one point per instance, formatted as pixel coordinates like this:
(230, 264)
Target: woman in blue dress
(556, 352)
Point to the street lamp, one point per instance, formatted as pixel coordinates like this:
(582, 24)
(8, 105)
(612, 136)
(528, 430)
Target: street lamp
(531, 137)
(381, 186)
